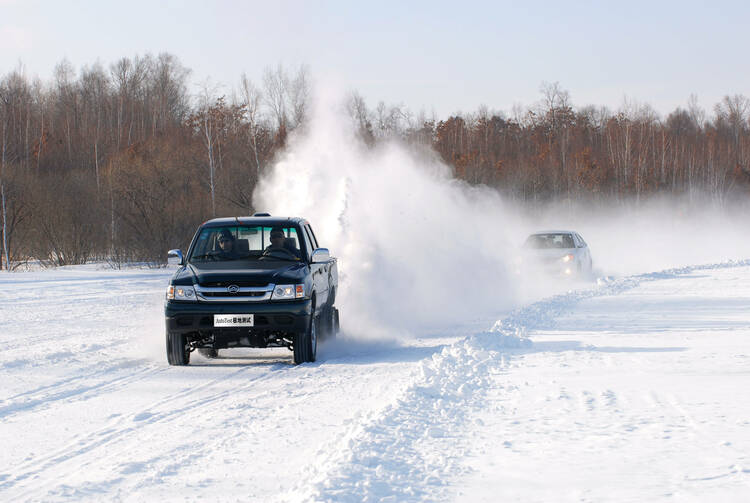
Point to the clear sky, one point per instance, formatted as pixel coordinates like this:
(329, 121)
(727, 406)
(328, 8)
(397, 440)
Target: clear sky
(436, 56)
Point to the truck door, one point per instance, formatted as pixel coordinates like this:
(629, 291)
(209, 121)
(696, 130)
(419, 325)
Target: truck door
(319, 271)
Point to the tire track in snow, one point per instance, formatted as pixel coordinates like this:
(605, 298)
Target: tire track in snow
(411, 449)
(157, 413)
(23, 341)
(78, 388)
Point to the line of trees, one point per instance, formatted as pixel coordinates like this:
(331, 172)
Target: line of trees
(554, 151)
(120, 163)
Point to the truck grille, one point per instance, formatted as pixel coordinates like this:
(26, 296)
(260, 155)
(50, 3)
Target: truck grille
(243, 293)
(227, 294)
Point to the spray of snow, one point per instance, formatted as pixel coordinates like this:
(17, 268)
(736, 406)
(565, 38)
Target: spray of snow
(416, 247)
(419, 249)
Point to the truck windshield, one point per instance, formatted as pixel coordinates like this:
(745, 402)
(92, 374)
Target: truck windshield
(246, 242)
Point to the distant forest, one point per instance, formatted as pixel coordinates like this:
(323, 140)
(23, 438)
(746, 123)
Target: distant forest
(122, 162)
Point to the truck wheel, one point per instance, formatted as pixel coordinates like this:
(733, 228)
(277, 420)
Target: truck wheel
(328, 324)
(306, 343)
(336, 325)
(208, 352)
(177, 349)
(299, 348)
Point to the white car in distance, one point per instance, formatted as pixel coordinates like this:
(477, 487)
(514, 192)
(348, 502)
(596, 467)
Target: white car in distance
(557, 253)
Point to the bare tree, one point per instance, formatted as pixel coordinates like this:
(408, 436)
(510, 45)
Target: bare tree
(168, 89)
(206, 120)
(359, 114)
(128, 78)
(252, 98)
(697, 114)
(275, 83)
(2, 187)
(287, 97)
(95, 90)
(391, 121)
(555, 100)
(298, 94)
(6, 99)
(733, 111)
(66, 100)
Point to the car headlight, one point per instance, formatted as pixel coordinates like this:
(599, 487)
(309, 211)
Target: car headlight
(287, 292)
(568, 258)
(181, 292)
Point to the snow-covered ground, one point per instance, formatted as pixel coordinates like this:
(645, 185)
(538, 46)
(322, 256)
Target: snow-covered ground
(640, 396)
(634, 389)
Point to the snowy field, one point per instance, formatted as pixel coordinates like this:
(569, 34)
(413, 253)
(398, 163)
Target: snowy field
(634, 389)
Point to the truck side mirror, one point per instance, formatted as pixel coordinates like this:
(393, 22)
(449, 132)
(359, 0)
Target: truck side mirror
(320, 255)
(174, 257)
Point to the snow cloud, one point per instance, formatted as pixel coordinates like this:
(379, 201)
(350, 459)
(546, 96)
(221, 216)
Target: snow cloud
(416, 247)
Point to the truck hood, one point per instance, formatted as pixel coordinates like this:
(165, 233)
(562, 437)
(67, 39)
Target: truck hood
(225, 274)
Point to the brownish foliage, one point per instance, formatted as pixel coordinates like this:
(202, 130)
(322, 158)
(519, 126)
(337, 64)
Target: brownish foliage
(117, 164)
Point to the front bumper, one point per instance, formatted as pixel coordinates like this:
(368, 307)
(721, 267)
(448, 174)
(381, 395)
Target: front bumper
(269, 317)
(551, 269)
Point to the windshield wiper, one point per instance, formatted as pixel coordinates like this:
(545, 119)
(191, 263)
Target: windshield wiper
(276, 257)
(221, 258)
(200, 257)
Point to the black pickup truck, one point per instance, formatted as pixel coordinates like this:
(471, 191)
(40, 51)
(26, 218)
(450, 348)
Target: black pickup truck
(256, 282)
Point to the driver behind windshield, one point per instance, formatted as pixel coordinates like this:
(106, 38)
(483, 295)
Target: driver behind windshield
(280, 242)
(227, 246)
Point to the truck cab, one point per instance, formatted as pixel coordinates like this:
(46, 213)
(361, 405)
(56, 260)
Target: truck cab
(257, 282)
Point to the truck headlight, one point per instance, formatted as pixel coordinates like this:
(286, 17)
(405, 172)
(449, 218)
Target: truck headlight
(568, 257)
(287, 292)
(180, 292)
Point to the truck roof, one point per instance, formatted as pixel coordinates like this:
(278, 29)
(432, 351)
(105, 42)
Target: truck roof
(254, 220)
(552, 231)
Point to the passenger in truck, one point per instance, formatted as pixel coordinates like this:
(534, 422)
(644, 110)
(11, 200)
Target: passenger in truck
(280, 241)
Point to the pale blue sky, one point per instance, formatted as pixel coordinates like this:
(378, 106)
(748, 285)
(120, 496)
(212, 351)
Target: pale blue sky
(441, 56)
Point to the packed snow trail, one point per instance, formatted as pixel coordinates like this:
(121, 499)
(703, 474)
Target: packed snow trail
(418, 446)
(90, 410)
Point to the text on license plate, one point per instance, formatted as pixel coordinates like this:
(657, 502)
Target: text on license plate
(233, 320)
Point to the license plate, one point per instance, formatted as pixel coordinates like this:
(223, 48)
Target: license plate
(233, 320)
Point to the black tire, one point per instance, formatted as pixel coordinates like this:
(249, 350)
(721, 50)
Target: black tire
(208, 352)
(328, 324)
(299, 348)
(336, 323)
(177, 349)
(306, 343)
(312, 348)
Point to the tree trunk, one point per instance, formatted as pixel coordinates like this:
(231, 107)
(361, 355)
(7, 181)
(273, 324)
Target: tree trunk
(5, 228)
(2, 197)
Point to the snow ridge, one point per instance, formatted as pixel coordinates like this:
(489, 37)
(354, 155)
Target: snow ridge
(416, 439)
(542, 314)
(413, 448)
